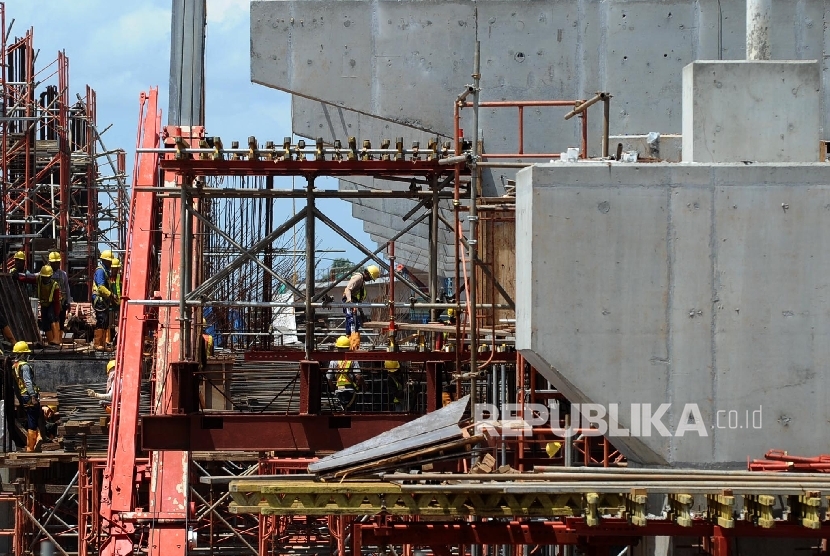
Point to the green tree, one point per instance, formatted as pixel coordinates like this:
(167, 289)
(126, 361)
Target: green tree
(340, 268)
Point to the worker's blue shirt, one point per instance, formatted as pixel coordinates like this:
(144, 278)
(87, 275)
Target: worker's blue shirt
(101, 277)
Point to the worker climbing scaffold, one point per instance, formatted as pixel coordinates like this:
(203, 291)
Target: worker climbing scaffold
(355, 292)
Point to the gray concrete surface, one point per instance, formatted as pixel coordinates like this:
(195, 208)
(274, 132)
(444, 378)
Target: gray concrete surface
(666, 148)
(762, 111)
(373, 67)
(682, 284)
(406, 61)
(52, 372)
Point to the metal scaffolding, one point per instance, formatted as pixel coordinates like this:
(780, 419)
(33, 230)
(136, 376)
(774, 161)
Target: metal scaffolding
(54, 194)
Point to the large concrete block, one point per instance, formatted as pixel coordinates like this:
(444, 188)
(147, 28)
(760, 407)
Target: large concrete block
(682, 284)
(751, 110)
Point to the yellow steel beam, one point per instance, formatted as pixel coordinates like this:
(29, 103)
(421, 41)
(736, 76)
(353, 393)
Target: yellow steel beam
(315, 498)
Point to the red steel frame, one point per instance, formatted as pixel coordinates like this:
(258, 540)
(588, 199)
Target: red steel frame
(118, 489)
(19, 170)
(169, 505)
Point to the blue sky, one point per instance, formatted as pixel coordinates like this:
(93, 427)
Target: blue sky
(122, 48)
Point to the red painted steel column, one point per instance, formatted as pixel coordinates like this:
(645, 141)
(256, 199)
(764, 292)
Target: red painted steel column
(118, 488)
(434, 385)
(717, 544)
(310, 389)
(357, 541)
(169, 470)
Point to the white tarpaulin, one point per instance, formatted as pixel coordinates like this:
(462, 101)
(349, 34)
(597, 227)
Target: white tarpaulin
(284, 323)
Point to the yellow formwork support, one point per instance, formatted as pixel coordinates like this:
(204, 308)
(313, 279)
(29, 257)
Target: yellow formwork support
(314, 498)
(681, 509)
(591, 510)
(635, 507)
(758, 509)
(720, 508)
(806, 509)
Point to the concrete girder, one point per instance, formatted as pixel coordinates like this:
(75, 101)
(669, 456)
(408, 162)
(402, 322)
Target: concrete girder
(419, 235)
(681, 284)
(379, 214)
(445, 258)
(313, 118)
(341, 52)
(420, 247)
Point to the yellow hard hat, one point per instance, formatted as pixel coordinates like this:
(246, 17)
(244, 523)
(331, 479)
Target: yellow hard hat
(106, 255)
(54, 257)
(450, 312)
(552, 448)
(342, 342)
(373, 271)
(46, 271)
(116, 263)
(110, 366)
(391, 365)
(20, 255)
(21, 347)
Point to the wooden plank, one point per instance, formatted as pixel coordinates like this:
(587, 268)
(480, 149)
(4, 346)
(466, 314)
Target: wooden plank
(432, 428)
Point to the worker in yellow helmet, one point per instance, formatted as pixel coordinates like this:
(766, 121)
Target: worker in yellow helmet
(397, 386)
(49, 422)
(355, 292)
(20, 272)
(49, 294)
(344, 376)
(102, 296)
(27, 392)
(106, 397)
(62, 278)
(19, 263)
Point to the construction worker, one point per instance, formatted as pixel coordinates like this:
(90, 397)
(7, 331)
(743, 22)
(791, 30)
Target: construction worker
(62, 278)
(106, 397)
(48, 422)
(101, 298)
(27, 392)
(344, 376)
(355, 292)
(115, 277)
(49, 293)
(8, 335)
(396, 384)
(19, 270)
(115, 306)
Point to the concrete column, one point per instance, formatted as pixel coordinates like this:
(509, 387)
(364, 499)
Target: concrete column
(757, 29)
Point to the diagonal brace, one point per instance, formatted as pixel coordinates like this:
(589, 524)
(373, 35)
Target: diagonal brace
(375, 252)
(345, 235)
(267, 240)
(248, 254)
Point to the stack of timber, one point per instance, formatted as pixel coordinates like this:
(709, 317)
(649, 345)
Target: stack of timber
(85, 420)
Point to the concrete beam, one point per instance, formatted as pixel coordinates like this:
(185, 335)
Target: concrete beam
(405, 62)
(681, 284)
